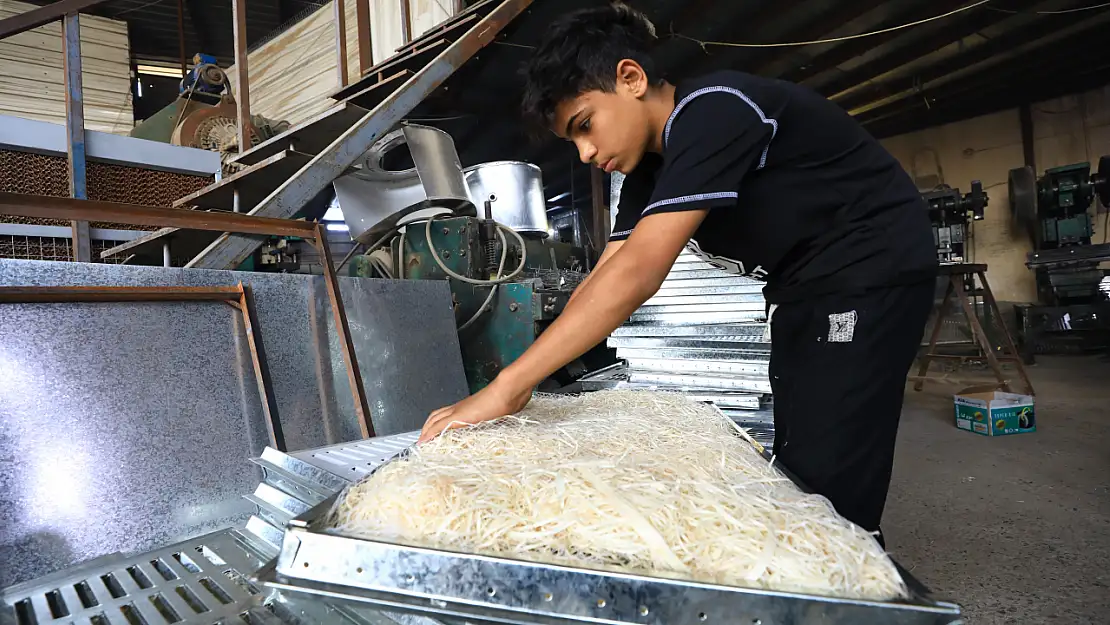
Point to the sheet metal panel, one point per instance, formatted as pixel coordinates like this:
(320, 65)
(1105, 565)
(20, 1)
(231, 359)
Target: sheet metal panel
(135, 418)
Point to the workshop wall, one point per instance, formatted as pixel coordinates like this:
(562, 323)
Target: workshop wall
(32, 83)
(292, 75)
(1066, 130)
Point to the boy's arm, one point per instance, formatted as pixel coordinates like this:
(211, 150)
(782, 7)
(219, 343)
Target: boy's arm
(616, 288)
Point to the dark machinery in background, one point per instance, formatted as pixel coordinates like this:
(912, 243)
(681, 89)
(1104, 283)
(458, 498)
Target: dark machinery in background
(204, 115)
(484, 228)
(1073, 313)
(951, 214)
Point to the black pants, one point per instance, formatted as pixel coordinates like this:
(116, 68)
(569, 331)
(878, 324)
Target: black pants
(838, 373)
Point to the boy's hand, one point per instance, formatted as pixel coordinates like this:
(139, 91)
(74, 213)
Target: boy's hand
(499, 399)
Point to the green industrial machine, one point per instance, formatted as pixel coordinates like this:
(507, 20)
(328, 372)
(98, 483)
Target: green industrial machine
(494, 330)
(1054, 210)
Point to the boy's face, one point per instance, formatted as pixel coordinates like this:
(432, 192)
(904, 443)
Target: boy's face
(610, 129)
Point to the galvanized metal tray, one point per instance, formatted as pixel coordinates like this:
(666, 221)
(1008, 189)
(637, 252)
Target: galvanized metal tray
(485, 589)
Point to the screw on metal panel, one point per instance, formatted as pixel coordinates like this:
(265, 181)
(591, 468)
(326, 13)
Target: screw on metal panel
(643, 610)
(548, 596)
(462, 252)
(446, 231)
(514, 306)
(447, 253)
(702, 616)
(490, 591)
(601, 603)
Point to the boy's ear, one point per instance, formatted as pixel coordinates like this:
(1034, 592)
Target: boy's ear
(631, 78)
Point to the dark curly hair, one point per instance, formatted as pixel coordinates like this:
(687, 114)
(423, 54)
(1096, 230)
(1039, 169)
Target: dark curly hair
(579, 53)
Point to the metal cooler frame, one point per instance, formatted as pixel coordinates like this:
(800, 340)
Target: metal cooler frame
(477, 588)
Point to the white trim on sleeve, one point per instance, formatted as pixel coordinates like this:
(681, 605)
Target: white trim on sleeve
(736, 92)
(698, 197)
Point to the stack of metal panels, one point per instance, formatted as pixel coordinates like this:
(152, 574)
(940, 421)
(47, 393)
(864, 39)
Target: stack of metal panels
(703, 334)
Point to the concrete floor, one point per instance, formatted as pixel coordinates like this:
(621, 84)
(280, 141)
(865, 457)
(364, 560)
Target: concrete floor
(1016, 529)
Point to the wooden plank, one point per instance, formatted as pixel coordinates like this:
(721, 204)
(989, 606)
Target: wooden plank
(31, 83)
(253, 183)
(38, 16)
(308, 137)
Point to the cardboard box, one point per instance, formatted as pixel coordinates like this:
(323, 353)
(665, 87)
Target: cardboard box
(994, 413)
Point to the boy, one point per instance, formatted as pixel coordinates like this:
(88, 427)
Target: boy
(761, 178)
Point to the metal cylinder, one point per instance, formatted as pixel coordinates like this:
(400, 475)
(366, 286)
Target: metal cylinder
(514, 190)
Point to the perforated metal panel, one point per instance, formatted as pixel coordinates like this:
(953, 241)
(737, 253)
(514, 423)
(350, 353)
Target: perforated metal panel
(353, 461)
(204, 580)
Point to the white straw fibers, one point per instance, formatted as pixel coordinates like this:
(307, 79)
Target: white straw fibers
(628, 481)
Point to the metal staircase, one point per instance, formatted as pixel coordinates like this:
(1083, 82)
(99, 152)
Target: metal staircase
(284, 173)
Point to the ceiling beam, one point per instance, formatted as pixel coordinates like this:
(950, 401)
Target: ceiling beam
(821, 27)
(991, 99)
(900, 51)
(848, 50)
(768, 25)
(987, 25)
(1011, 42)
(1018, 59)
(43, 15)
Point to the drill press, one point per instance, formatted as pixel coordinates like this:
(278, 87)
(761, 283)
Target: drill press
(951, 214)
(1073, 312)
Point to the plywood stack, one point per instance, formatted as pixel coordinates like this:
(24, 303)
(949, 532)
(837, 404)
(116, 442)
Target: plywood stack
(292, 75)
(32, 80)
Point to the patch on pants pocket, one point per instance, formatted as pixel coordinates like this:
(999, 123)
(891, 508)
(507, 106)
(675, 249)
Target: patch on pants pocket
(842, 327)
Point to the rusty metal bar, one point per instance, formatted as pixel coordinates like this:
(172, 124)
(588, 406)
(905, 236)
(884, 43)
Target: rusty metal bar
(261, 369)
(354, 374)
(406, 22)
(242, 94)
(365, 37)
(978, 332)
(75, 131)
(341, 41)
(230, 250)
(65, 294)
(43, 15)
(46, 207)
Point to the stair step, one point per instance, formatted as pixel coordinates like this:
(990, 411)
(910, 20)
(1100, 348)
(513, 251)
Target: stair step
(253, 183)
(308, 137)
(446, 29)
(373, 95)
(183, 243)
(413, 61)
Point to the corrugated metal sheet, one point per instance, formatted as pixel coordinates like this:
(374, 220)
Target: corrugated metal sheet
(292, 75)
(32, 81)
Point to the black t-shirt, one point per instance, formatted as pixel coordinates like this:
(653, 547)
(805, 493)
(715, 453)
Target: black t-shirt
(800, 194)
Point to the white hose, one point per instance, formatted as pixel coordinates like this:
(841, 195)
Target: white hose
(462, 278)
(497, 280)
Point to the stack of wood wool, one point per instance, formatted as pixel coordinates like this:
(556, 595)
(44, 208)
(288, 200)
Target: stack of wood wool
(624, 481)
(703, 334)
